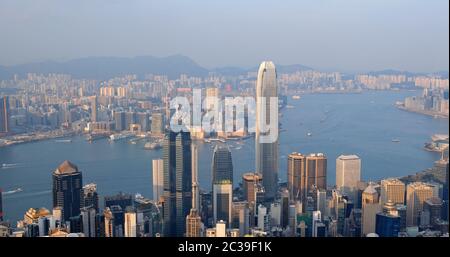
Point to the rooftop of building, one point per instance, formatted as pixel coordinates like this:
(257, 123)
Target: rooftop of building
(66, 168)
(348, 157)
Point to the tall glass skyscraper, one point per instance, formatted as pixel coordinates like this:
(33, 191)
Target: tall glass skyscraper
(266, 153)
(4, 114)
(67, 189)
(222, 164)
(177, 182)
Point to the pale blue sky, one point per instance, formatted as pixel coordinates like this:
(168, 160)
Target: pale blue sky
(347, 35)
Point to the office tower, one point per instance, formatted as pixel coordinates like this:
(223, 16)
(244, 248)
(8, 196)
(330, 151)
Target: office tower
(158, 176)
(177, 182)
(392, 190)
(348, 174)
(370, 207)
(4, 114)
(321, 201)
(130, 118)
(292, 220)
(130, 222)
(315, 174)
(267, 153)
(316, 220)
(195, 186)
(88, 221)
(222, 165)
(275, 214)
(143, 120)
(100, 225)
(284, 208)
(416, 194)
(119, 121)
(1, 205)
(109, 222)
(445, 214)
(432, 209)
(193, 220)
(263, 218)
(193, 224)
(119, 220)
(354, 221)
(296, 171)
(222, 199)
(94, 109)
(90, 196)
(387, 225)
(388, 222)
(249, 183)
(44, 225)
(121, 199)
(157, 124)
(221, 228)
(67, 189)
(241, 217)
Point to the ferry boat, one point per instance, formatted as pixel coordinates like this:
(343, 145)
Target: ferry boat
(63, 140)
(17, 190)
(116, 137)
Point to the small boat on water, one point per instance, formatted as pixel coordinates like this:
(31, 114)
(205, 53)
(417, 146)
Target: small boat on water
(296, 97)
(63, 140)
(309, 134)
(8, 165)
(395, 140)
(17, 190)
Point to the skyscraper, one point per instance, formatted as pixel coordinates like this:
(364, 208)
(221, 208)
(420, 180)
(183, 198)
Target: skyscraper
(266, 153)
(4, 114)
(370, 207)
(193, 224)
(94, 109)
(222, 200)
(432, 209)
(119, 121)
(90, 196)
(1, 205)
(67, 189)
(416, 194)
(348, 174)
(315, 176)
(88, 220)
(193, 220)
(392, 190)
(177, 182)
(157, 124)
(249, 182)
(158, 175)
(296, 171)
(130, 222)
(222, 164)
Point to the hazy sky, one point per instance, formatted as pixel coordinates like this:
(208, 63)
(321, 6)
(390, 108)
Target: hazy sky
(347, 35)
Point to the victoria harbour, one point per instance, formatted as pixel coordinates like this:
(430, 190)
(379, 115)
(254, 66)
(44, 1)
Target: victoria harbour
(362, 123)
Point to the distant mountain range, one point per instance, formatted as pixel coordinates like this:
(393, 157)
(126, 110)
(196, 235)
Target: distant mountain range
(107, 67)
(103, 68)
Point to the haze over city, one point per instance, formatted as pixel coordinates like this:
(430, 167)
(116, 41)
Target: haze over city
(349, 36)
